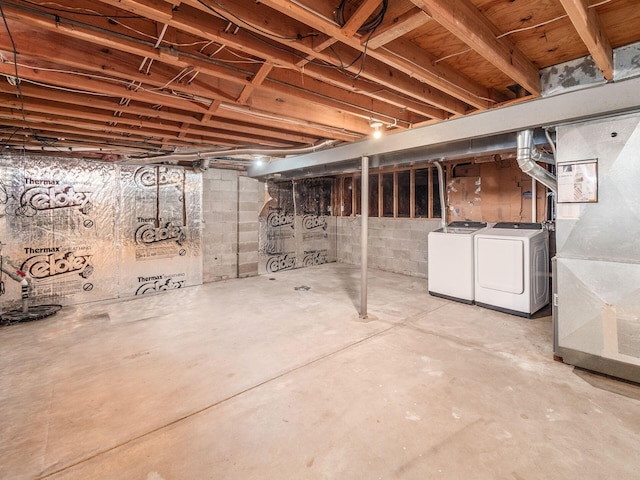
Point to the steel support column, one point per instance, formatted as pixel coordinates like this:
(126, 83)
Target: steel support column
(364, 237)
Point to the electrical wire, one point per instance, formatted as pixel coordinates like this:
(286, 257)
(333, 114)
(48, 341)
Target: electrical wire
(15, 65)
(523, 29)
(234, 16)
(288, 51)
(370, 25)
(76, 11)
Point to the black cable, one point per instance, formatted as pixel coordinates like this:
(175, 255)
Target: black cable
(370, 25)
(6, 142)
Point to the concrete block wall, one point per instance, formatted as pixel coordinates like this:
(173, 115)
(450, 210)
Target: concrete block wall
(230, 207)
(395, 244)
(251, 198)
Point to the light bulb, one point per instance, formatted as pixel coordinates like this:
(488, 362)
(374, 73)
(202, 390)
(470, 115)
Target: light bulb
(377, 133)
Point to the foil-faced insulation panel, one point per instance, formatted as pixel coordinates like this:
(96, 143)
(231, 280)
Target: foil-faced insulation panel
(161, 234)
(58, 226)
(296, 226)
(86, 231)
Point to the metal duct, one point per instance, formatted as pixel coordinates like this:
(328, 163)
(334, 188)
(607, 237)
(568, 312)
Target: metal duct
(443, 205)
(527, 156)
(195, 156)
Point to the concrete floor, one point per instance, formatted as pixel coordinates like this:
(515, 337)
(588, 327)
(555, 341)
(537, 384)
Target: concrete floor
(255, 379)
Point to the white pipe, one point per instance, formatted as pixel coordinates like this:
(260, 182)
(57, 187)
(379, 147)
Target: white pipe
(191, 157)
(19, 276)
(527, 156)
(364, 240)
(534, 200)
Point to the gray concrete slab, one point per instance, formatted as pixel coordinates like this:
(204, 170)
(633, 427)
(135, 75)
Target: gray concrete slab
(259, 378)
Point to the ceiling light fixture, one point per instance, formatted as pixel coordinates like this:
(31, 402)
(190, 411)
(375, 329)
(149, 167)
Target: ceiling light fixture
(377, 133)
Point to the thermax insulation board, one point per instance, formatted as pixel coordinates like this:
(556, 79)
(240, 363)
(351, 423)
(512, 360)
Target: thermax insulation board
(296, 228)
(86, 231)
(161, 233)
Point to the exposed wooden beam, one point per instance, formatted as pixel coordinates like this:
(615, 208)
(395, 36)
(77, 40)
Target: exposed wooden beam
(587, 22)
(23, 137)
(303, 124)
(324, 117)
(184, 129)
(256, 81)
(212, 109)
(467, 23)
(73, 121)
(323, 45)
(95, 60)
(397, 109)
(53, 124)
(428, 72)
(92, 59)
(143, 113)
(359, 17)
(100, 88)
(411, 83)
(107, 40)
(146, 8)
(401, 25)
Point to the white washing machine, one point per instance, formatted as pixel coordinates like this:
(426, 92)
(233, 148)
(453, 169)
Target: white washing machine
(512, 268)
(450, 260)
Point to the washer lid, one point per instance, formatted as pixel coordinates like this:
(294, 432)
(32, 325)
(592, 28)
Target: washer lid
(462, 227)
(518, 225)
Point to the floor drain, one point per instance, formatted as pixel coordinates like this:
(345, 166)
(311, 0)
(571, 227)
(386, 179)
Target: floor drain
(302, 287)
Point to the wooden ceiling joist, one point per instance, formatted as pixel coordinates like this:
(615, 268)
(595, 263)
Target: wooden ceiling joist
(359, 17)
(466, 22)
(257, 80)
(401, 25)
(161, 75)
(587, 22)
(427, 72)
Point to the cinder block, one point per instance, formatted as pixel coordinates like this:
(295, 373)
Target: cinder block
(248, 227)
(228, 175)
(244, 217)
(249, 256)
(250, 185)
(244, 237)
(402, 233)
(226, 186)
(248, 206)
(223, 217)
(212, 174)
(229, 197)
(419, 235)
(248, 268)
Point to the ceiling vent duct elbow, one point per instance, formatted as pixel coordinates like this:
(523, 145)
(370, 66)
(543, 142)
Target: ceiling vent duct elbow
(528, 155)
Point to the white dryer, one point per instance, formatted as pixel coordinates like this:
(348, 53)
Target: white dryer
(512, 268)
(450, 260)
